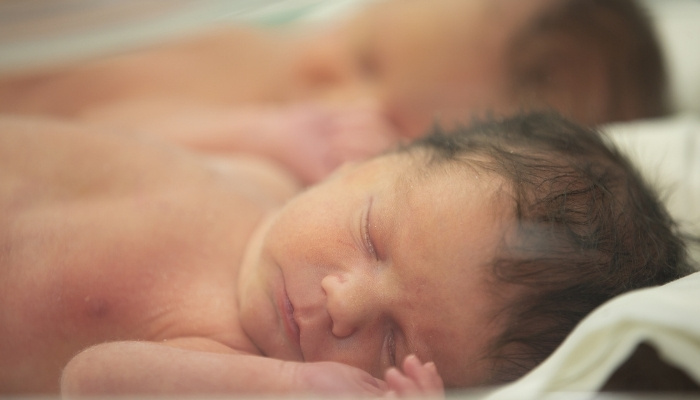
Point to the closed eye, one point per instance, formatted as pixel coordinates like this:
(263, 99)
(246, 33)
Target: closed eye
(369, 244)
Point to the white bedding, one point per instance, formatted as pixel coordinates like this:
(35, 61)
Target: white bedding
(678, 26)
(667, 151)
(665, 317)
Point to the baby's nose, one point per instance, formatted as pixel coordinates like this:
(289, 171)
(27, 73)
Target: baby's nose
(349, 302)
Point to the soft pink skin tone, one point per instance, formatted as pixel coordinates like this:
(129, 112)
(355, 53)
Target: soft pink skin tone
(416, 59)
(309, 139)
(350, 254)
(420, 61)
(354, 88)
(139, 267)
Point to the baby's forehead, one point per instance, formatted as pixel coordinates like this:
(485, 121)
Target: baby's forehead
(472, 170)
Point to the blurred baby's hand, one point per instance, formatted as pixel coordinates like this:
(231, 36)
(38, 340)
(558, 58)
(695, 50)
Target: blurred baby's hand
(319, 138)
(309, 139)
(415, 380)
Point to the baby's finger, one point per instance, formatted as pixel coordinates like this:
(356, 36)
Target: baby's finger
(424, 375)
(400, 384)
(436, 385)
(413, 368)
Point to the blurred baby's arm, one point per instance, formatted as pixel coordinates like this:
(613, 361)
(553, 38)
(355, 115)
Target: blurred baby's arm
(310, 140)
(203, 367)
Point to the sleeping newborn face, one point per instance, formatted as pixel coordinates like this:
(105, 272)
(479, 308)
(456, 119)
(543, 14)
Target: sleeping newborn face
(420, 60)
(376, 264)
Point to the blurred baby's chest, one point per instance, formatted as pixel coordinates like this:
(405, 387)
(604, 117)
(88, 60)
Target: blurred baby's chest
(122, 267)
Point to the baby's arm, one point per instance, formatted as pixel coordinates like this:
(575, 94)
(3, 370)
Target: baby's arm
(200, 367)
(311, 140)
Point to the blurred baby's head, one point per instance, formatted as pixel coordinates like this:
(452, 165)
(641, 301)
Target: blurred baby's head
(592, 60)
(586, 228)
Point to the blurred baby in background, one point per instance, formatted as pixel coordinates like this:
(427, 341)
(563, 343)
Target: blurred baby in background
(315, 96)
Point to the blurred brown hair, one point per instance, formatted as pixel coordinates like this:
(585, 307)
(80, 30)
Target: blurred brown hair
(577, 52)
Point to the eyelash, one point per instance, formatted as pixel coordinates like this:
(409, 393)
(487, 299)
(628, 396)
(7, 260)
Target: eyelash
(365, 232)
(391, 348)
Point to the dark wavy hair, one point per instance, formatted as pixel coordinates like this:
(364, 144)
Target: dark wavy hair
(587, 228)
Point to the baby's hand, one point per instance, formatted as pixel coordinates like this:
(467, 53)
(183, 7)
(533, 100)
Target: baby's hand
(416, 379)
(332, 378)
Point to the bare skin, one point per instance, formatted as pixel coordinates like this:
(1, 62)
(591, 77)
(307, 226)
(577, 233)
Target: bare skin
(77, 304)
(312, 98)
(125, 251)
(413, 58)
(309, 140)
